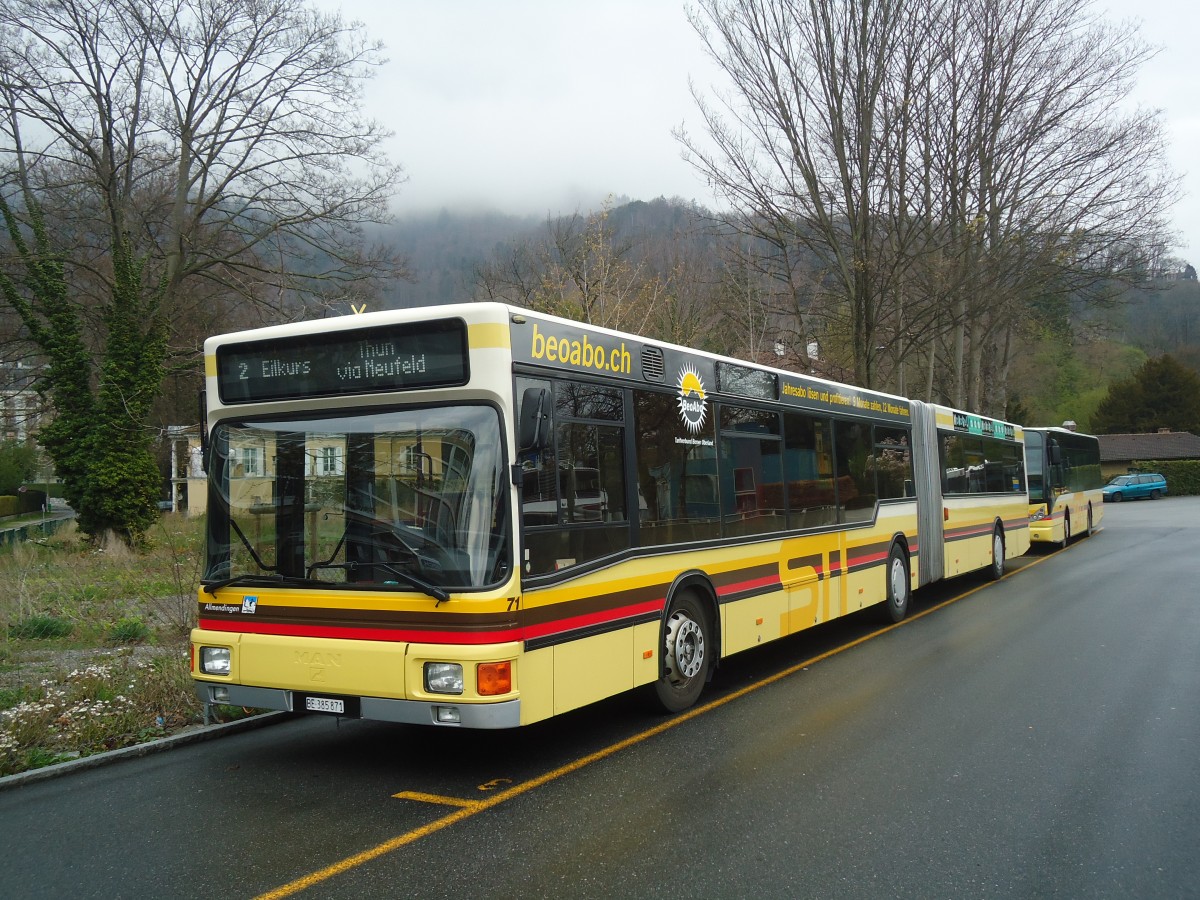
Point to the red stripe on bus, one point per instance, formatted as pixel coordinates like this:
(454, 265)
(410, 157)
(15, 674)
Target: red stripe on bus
(597, 618)
(970, 531)
(247, 626)
(765, 581)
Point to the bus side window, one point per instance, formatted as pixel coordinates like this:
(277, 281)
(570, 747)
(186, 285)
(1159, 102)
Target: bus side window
(854, 470)
(676, 471)
(573, 497)
(750, 471)
(808, 471)
(893, 463)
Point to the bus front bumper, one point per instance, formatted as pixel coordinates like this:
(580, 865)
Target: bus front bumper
(505, 714)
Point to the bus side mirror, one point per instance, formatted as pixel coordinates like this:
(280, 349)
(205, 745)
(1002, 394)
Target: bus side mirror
(203, 404)
(533, 430)
(1055, 454)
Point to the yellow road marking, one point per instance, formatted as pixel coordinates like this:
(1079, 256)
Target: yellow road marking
(436, 798)
(493, 784)
(471, 808)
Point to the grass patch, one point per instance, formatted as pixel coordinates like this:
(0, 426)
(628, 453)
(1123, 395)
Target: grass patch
(93, 644)
(128, 630)
(40, 628)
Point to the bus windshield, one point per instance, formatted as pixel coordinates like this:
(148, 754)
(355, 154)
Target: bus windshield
(405, 499)
(1035, 452)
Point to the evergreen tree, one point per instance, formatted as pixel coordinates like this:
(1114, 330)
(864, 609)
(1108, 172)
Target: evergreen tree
(98, 439)
(1161, 394)
(18, 464)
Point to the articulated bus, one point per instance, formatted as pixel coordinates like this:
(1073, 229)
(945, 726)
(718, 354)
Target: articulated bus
(1064, 484)
(479, 516)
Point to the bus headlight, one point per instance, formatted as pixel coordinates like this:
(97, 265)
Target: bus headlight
(214, 660)
(443, 678)
(1038, 516)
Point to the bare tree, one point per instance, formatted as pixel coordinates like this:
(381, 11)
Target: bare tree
(1053, 187)
(579, 271)
(804, 154)
(943, 162)
(223, 137)
(173, 156)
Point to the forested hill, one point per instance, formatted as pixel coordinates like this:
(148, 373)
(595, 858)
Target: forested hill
(1065, 356)
(446, 250)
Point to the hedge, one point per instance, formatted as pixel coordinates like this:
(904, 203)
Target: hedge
(1183, 475)
(25, 502)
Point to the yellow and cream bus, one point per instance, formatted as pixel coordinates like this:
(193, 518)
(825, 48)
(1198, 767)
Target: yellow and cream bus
(479, 516)
(1065, 484)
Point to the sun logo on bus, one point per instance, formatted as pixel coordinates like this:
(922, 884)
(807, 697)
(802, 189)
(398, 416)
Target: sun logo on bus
(692, 399)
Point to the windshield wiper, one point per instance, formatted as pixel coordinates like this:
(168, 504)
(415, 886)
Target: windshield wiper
(441, 595)
(258, 578)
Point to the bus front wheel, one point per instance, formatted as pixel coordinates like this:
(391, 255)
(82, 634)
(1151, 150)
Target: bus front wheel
(687, 654)
(898, 585)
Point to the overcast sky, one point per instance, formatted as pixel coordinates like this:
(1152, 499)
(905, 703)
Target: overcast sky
(548, 106)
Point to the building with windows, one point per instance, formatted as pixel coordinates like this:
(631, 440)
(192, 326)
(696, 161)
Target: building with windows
(187, 470)
(21, 408)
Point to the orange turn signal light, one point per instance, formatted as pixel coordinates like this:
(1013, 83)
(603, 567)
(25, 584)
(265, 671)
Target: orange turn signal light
(494, 678)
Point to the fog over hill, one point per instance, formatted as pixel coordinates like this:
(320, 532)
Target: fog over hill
(445, 249)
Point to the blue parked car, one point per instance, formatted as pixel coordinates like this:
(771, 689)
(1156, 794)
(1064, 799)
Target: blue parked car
(1135, 487)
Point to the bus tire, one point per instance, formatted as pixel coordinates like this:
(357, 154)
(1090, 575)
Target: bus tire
(899, 588)
(687, 650)
(996, 570)
(1091, 524)
(1066, 529)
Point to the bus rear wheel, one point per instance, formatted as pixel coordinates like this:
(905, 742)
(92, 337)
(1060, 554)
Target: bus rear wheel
(996, 569)
(898, 585)
(687, 654)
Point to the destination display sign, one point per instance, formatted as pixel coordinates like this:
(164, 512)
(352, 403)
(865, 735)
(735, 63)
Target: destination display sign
(401, 357)
(980, 425)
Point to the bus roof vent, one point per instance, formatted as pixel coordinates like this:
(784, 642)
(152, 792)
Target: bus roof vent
(652, 364)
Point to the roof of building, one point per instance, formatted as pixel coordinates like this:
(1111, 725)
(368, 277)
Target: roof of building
(1160, 445)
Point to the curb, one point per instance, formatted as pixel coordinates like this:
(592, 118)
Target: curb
(193, 735)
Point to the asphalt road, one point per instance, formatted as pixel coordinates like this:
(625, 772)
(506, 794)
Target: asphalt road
(1032, 738)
